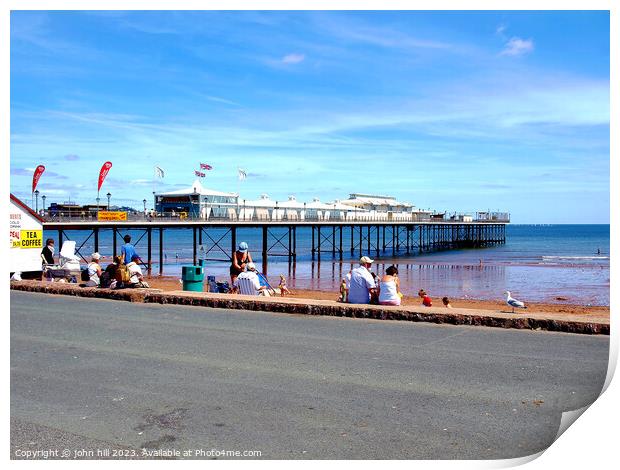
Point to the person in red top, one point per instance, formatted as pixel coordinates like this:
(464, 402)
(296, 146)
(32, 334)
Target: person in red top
(426, 300)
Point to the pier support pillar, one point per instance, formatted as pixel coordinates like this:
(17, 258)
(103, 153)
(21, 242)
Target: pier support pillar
(383, 237)
(265, 249)
(393, 241)
(114, 241)
(340, 246)
(352, 241)
(290, 243)
(294, 244)
(233, 241)
(161, 251)
(194, 245)
(59, 240)
(96, 234)
(149, 246)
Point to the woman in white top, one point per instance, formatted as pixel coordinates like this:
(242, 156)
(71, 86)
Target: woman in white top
(94, 271)
(389, 288)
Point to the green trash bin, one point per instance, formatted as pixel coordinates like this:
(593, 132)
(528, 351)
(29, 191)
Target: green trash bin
(192, 277)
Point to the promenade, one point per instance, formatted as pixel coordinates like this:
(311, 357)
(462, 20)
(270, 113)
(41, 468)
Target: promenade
(570, 323)
(93, 374)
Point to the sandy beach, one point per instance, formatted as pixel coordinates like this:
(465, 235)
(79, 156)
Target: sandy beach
(562, 306)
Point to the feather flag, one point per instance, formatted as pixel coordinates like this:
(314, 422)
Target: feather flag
(242, 174)
(36, 175)
(103, 173)
(204, 166)
(199, 174)
(159, 172)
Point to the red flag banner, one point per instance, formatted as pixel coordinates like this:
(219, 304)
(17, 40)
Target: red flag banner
(204, 166)
(35, 177)
(199, 173)
(103, 173)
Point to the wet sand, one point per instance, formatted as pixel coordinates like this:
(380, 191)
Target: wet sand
(562, 306)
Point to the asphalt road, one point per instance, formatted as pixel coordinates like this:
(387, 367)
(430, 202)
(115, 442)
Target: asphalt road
(99, 374)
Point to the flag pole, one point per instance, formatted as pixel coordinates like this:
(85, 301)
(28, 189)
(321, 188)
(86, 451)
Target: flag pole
(238, 189)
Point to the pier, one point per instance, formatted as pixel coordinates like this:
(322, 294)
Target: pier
(331, 238)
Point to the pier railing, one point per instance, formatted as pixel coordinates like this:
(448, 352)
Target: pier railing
(480, 217)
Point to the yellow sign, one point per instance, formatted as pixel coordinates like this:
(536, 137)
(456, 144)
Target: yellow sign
(112, 216)
(31, 239)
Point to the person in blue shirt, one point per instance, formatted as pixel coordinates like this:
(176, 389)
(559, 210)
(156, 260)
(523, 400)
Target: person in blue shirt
(128, 251)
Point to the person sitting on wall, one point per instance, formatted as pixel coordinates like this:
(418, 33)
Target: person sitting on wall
(108, 278)
(136, 279)
(389, 293)
(128, 251)
(241, 258)
(47, 253)
(247, 282)
(362, 286)
(93, 271)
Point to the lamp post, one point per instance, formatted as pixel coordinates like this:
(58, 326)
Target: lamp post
(43, 199)
(108, 196)
(98, 199)
(304, 211)
(36, 193)
(144, 202)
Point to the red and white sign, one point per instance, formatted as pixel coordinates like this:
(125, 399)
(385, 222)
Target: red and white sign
(103, 173)
(35, 177)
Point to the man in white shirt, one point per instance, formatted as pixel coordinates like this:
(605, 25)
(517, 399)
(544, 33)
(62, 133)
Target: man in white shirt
(136, 278)
(247, 283)
(362, 285)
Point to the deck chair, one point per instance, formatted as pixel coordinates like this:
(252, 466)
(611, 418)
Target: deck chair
(69, 263)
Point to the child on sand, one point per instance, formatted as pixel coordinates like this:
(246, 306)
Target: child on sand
(343, 291)
(426, 300)
(446, 302)
(283, 289)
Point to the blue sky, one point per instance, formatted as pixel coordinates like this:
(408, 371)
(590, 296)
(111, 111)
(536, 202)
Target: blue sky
(455, 111)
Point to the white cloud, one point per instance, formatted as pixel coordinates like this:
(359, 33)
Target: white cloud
(293, 58)
(517, 46)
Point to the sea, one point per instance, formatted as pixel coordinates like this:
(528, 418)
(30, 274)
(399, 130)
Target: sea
(538, 263)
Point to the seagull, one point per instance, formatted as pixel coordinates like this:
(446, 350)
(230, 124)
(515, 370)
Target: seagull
(513, 302)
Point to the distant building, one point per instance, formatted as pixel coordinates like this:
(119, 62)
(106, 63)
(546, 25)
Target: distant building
(73, 210)
(197, 201)
(371, 202)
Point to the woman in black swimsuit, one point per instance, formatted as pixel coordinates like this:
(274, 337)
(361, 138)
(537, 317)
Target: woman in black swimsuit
(240, 259)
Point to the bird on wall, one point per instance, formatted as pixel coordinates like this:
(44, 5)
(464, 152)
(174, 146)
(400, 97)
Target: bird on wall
(514, 303)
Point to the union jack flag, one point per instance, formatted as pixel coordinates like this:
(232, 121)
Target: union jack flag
(204, 166)
(199, 174)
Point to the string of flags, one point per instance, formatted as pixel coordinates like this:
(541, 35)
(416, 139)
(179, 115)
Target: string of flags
(159, 172)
